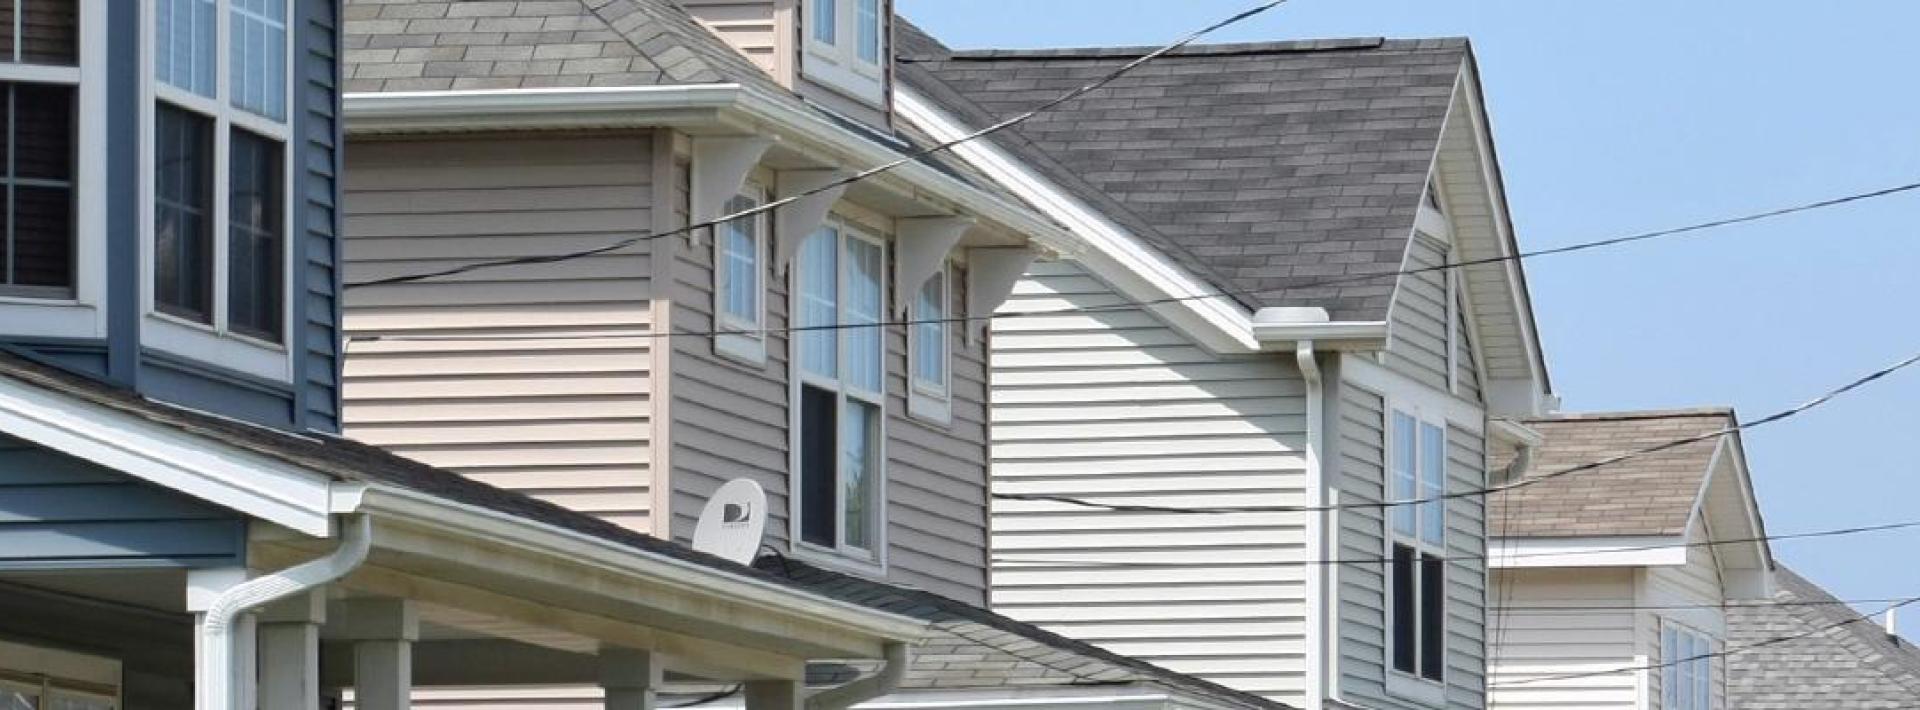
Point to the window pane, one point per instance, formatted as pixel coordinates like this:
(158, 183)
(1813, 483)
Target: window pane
(258, 64)
(1433, 471)
(739, 265)
(930, 333)
(859, 466)
(1669, 673)
(49, 31)
(1433, 617)
(865, 363)
(1405, 483)
(870, 26)
(1703, 677)
(825, 19)
(183, 54)
(18, 700)
(255, 260)
(36, 197)
(183, 210)
(1402, 603)
(42, 139)
(819, 303)
(817, 451)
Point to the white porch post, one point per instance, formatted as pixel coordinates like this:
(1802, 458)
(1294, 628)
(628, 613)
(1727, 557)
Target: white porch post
(290, 652)
(775, 695)
(630, 678)
(383, 632)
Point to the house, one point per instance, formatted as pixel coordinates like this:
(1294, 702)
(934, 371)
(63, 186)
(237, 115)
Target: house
(1611, 586)
(1808, 649)
(633, 379)
(1235, 332)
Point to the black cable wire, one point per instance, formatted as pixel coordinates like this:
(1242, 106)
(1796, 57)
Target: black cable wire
(1083, 90)
(704, 699)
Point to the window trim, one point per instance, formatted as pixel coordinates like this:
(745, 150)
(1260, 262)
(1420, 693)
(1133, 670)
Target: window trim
(842, 556)
(1668, 669)
(838, 64)
(215, 343)
(83, 314)
(1415, 685)
(745, 348)
(932, 402)
(61, 672)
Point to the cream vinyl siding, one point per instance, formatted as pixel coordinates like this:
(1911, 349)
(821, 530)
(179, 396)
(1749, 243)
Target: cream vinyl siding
(1696, 583)
(1360, 448)
(1534, 643)
(754, 27)
(566, 420)
(1116, 406)
(1417, 319)
(1465, 363)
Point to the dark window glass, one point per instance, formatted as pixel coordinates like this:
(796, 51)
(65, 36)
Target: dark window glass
(818, 449)
(254, 239)
(1432, 617)
(37, 207)
(40, 31)
(183, 214)
(1404, 609)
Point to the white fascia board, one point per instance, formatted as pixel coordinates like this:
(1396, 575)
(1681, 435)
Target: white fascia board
(193, 465)
(1367, 335)
(464, 521)
(1635, 551)
(1107, 247)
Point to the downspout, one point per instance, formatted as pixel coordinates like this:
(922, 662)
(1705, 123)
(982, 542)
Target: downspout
(215, 686)
(1317, 621)
(881, 683)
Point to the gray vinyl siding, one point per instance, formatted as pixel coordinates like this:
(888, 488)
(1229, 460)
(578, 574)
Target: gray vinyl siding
(1417, 335)
(59, 512)
(1465, 364)
(1116, 406)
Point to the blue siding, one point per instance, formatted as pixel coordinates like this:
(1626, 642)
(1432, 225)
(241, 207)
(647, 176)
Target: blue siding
(317, 307)
(57, 511)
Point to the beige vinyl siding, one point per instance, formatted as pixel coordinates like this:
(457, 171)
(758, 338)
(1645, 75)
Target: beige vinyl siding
(1539, 642)
(1417, 319)
(750, 26)
(563, 419)
(1116, 406)
(1693, 584)
(1360, 451)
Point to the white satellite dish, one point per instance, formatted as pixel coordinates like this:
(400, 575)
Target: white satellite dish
(733, 521)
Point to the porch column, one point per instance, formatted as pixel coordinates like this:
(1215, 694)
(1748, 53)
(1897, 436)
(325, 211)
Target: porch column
(204, 586)
(290, 652)
(776, 695)
(382, 632)
(630, 678)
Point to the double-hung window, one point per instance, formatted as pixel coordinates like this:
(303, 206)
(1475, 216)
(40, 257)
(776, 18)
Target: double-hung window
(846, 45)
(839, 400)
(739, 274)
(220, 131)
(1417, 537)
(928, 349)
(39, 107)
(1686, 673)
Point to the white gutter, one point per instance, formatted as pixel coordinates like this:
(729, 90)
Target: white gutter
(1317, 591)
(217, 683)
(885, 681)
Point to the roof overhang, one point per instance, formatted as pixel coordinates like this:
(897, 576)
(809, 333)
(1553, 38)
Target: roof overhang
(1607, 551)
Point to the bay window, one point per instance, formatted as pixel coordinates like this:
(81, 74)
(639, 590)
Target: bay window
(929, 396)
(1686, 673)
(839, 393)
(846, 45)
(1416, 543)
(739, 276)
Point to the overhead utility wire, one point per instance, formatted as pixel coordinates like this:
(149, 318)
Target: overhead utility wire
(1828, 396)
(1132, 304)
(1109, 78)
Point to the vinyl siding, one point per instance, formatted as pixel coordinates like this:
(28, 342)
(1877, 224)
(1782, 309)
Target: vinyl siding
(1696, 583)
(1116, 406)
(316, 188)
(566, 419)
(1417, 319)
(750, 26)
(1531, 644)
(1465, 363)
(57, 511)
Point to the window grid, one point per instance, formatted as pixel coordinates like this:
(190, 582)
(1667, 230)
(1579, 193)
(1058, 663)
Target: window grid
(841, 384)
(1686, 680)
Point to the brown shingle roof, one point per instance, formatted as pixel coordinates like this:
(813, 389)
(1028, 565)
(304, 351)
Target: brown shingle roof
(1646, 495)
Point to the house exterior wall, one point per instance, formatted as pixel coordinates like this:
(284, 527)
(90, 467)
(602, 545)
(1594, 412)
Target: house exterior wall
(1532, 639)
(1117, 406)
(1417, 346)
(1695, 584)
(154, 649)
(567, 419)
(57, 511)
(760, 29)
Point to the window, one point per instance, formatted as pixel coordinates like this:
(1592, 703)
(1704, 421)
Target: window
(928, 348)
(739, 284)
(218, 251)
(36, 678)
(39, 78)
(840, 297)
(847, 46)
(1416, 457)
(1686, 676)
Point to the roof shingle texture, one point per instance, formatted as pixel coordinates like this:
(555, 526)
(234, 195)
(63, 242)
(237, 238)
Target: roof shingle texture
(1652, 494)
(1843, 663)
(1264, 168)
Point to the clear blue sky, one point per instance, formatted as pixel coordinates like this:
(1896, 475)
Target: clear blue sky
(1615, 117)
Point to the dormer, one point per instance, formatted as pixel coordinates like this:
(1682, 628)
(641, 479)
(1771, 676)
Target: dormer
(835, 53)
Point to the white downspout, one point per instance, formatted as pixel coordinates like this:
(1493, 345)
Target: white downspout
(881, 683)
(216, 684)
(1317, 621)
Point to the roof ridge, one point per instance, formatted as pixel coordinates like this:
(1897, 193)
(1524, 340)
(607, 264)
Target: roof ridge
(1291, 46)
(1629, 415)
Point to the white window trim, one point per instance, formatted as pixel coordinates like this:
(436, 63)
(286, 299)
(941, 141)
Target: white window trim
(749, 348)
(1430, 410)
(216, 344)
(60, 673)
(927, 400)
(84, 315)
(838, 65)
(842, 556)
(1667, 670)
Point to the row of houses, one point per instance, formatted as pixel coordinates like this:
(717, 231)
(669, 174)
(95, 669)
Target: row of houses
(359, 353)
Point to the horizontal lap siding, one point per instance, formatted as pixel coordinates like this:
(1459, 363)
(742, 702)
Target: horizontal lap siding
(1465, 363)
(1115, 406)
(1417, 345)
(62, 512)
(1532, 642)
(564, 418)
(1694, 584)
(747, 25)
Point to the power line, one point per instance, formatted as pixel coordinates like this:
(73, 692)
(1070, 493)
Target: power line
(1109, 78)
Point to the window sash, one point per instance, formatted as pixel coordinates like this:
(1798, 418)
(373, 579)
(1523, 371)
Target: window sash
(929, 346)
(1416, 543)
(841, 292)
(185, 49)
(183, 214)
(38, 200)
(257, 42)
(826, 21)
(868, 40)
(738, 270)
(1686, 681)
(256, 237)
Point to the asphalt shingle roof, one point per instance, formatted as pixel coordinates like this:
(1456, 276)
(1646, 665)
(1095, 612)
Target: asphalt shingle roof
(1261, 167)
(1850, 666)
(1646, 495)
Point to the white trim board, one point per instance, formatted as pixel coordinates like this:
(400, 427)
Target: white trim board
(1623, 551)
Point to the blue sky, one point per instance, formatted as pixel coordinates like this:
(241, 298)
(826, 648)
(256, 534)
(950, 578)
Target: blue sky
(1623, 116)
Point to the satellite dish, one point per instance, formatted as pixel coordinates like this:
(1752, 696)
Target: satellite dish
(733, 521)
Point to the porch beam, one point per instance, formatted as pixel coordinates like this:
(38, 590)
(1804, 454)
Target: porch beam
(290, 652)
(382, 632)
(630, 678)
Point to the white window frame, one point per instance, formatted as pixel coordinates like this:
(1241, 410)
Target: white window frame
(84, 314)
(927, 399)
(48, 672)
(838, 64)
(1671, 672)
(1425, 410)
(749, 346)
(842, 555)
(215, 343)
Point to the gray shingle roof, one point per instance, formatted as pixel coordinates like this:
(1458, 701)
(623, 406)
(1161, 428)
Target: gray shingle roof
(1852, 666)
(1261, 167)
(973, 648)
(1646, 495)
